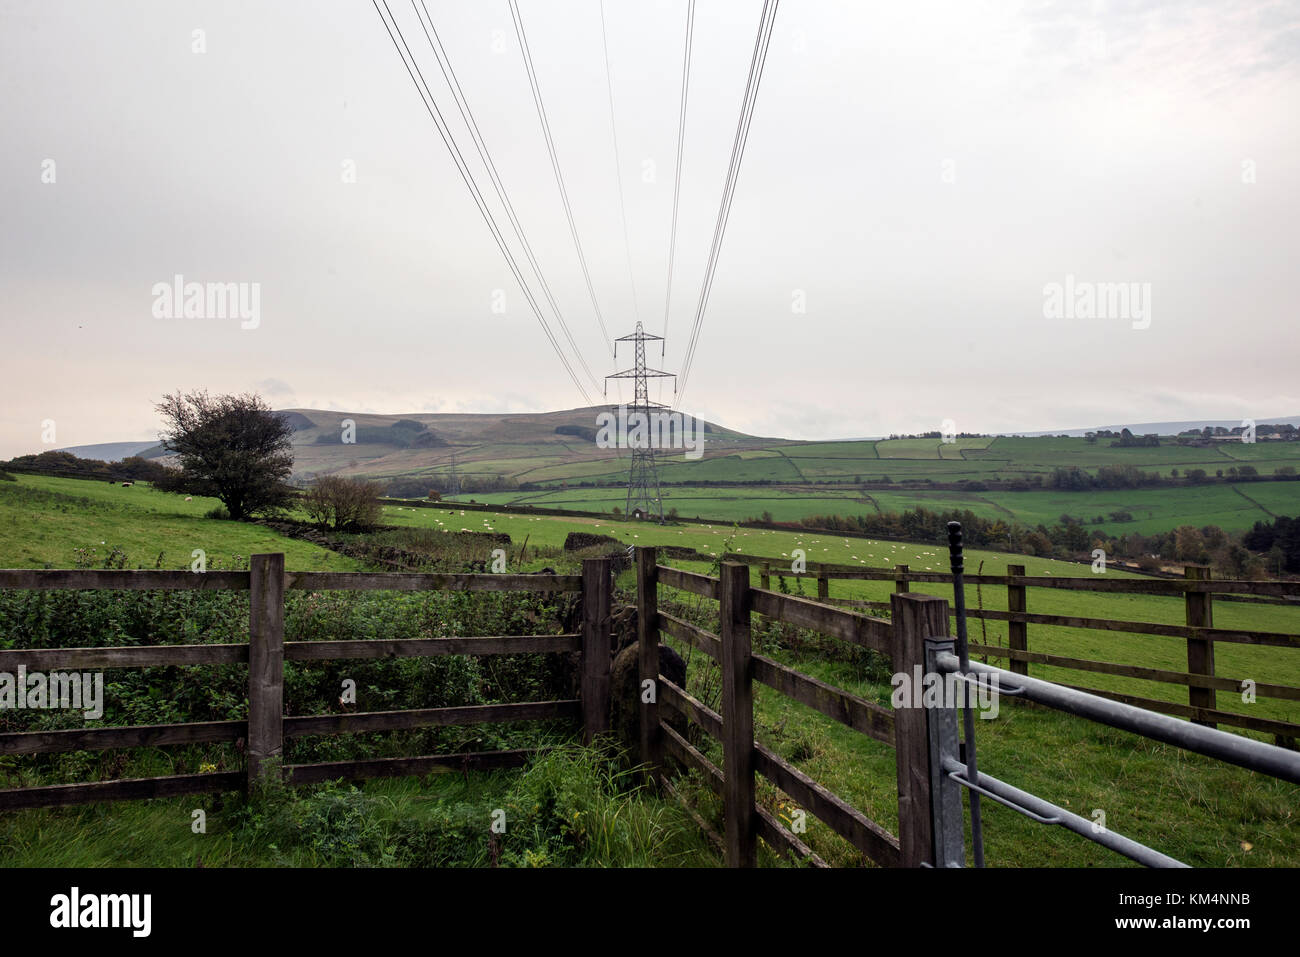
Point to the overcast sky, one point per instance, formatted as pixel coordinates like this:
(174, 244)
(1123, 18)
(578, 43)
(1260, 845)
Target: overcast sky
(916, 175)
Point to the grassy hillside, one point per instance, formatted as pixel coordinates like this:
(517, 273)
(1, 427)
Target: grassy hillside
(518, 446)
(57, 522)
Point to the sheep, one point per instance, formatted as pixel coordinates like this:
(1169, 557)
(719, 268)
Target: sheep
(189, 498)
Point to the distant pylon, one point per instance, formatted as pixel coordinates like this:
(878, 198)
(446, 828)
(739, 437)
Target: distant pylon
(643, 479)
(453, 479)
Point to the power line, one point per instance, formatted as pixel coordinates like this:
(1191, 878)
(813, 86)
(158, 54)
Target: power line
(467, 115)
(422, 88)
(618, 165)
(555, 162)
(677, 175)
(757, 61)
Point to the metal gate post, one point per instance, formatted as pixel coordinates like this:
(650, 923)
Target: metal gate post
(946, 825)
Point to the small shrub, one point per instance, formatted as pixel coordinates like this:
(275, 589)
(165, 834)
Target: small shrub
(343, 502)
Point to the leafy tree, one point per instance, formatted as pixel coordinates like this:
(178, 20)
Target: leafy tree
(1036, 543)
(1189, 544)
(1280, 539)
(231, 447)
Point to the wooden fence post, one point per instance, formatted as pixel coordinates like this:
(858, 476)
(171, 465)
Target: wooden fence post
(265, 663)
(596, 589)
(737, 717)
(823, 586)
(1200, 651)
(765, 577)
(1017, 631)
(916, 618)
(902, 586)
(647, 636)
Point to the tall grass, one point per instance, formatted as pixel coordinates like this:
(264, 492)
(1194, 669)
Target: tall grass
(571, 807)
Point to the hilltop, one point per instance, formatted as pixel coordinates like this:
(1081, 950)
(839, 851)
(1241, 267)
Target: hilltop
(521, 446)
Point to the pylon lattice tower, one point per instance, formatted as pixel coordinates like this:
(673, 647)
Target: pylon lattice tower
(643, 478)
(453, 479)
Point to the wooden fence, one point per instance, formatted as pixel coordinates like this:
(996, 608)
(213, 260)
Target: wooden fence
(915, 618)
(901, 638)
(265, 653)
(1196, 591)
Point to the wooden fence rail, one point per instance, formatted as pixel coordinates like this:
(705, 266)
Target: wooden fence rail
(916, 618)
(913, 619)
(267, 726)
(1196, 592)
(1137, 586)
(901, 637)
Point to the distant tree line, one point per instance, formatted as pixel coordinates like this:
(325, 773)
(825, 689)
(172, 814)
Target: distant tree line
(940, 435)
(130, 469)
(1268, 549)
(1127, 440)
(1284, 430)
(1070, 478)
(419, 486)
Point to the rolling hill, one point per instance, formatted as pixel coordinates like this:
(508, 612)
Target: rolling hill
(551, 460)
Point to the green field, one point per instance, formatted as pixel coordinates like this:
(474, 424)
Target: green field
(45, 520)
(1198, 810)
(1232, 507)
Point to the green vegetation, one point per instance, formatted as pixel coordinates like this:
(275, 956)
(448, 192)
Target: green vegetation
(231, 447)
(549, 460)
(1233, 506)
(44, 522)
(570, 807)
(1198, 810)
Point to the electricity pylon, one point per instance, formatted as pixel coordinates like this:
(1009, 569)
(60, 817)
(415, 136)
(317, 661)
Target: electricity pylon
(453, 479)
(643, 479)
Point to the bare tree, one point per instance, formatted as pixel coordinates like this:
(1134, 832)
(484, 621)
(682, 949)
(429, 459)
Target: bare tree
(343, 502)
